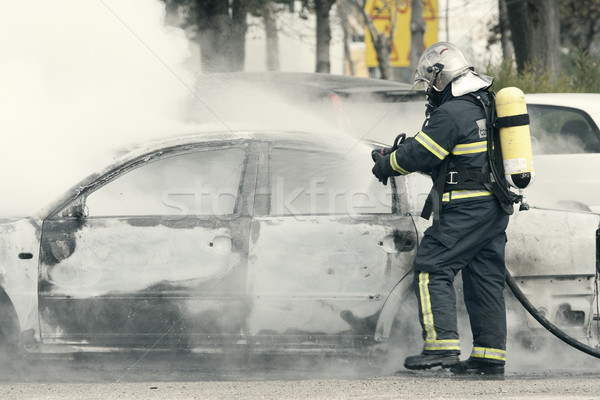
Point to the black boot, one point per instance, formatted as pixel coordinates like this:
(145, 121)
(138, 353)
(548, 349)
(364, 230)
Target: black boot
(425, 361)
(475, 367)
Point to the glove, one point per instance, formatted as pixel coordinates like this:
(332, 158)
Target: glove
(376, 153)
(379, 169)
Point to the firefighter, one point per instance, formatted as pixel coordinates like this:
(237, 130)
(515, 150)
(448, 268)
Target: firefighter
(469, 221)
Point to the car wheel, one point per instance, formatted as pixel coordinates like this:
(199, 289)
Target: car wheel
(9, 329)
(405, 336)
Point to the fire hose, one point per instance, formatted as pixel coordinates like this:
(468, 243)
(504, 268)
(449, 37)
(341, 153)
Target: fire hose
(553, 329)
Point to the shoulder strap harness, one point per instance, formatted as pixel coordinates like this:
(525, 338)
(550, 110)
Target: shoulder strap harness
(490, 177)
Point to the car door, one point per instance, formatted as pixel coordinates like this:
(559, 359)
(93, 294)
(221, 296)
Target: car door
(328, 245)
(158, 259)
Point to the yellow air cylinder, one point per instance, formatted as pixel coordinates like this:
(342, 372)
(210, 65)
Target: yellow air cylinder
(515, 139)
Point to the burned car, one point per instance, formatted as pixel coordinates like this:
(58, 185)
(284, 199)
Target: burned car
(259, 241)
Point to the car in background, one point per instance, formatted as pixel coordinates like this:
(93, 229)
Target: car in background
(566, 144)
(364, 108)
(564, 122)
(256, 242)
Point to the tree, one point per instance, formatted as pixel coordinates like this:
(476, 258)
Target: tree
(267, 10)
(579, 23)
(502, 31)
(322, 8)
(269, 16)
(219, 27)
(417, 33)
(579, 27)
(344, 9)
(382, 41)
(535, 28)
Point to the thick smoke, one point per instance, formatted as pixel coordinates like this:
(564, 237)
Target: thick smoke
(81, 79)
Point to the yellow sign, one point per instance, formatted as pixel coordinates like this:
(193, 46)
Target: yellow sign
(379, 12)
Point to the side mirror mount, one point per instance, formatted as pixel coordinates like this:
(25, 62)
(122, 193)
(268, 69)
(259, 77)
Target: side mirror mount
(77, 210)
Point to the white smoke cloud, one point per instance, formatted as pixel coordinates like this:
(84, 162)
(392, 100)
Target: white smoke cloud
(78, 80)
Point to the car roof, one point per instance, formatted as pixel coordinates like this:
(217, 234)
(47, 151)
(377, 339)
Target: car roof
(332, 142)
(312, 85)
(323, 80)
(301, 139)
(589, 102)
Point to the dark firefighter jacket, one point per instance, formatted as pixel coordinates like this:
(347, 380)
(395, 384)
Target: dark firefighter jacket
(457, 128)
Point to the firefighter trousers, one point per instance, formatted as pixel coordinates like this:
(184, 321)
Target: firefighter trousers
(471, 238)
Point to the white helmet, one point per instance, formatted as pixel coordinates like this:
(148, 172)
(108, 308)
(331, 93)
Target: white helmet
(441, 63)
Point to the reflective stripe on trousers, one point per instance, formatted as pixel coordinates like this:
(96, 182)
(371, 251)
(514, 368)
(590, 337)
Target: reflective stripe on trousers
(488, 354)
(436, 317)
(471, 239)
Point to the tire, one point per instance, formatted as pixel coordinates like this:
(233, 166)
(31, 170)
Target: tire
(9, 329)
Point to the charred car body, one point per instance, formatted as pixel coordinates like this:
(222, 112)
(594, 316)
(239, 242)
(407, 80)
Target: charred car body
(254, 241)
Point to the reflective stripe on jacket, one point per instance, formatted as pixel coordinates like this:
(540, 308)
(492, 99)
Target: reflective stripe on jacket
(457, 127)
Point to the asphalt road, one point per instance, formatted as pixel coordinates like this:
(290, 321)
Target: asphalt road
(374, 388)
(556, 373)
